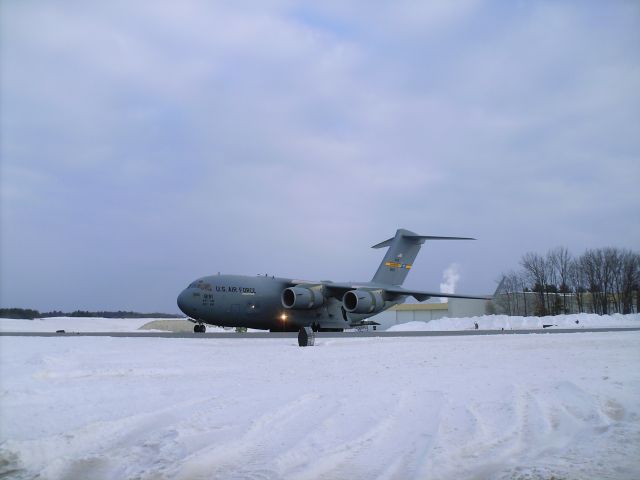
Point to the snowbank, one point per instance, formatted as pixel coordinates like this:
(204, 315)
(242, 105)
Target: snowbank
(502, 407)
(74, 324)
(169, 326)
(498, 322)
(96, 324)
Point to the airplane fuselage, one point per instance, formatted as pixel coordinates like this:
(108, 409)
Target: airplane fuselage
(256, 302)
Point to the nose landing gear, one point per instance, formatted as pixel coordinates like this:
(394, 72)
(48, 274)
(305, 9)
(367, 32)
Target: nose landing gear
(199, 328)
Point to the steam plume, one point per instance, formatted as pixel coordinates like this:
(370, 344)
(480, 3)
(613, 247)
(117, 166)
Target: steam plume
(450, 278)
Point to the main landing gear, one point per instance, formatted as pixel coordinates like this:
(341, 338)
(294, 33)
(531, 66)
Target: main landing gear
(199, 328)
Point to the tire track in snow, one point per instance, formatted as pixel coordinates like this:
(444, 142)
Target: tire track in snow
(362, 454)
(252, 454)
(118, 448)
(497, 441)
(534, 428)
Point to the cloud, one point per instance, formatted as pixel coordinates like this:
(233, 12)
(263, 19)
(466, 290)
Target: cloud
(261, 136)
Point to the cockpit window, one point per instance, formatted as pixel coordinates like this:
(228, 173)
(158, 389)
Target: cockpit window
(202, 285)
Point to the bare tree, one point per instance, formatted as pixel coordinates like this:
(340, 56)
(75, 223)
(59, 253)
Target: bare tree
(590, 264)
(601, 281)
(577, 283)
(611, 262)
(536, 270)
(616, 260)
(560, 260)
(599, 267)
(517, 283)
(629, 279)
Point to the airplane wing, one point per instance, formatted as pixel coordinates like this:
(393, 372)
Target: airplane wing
(339, 289)
(421, 296)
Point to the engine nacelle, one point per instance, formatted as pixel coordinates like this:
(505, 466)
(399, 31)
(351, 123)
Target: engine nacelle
(363, 301)
(302, 298)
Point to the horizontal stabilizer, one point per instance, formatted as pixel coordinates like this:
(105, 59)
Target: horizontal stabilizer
(420, 239)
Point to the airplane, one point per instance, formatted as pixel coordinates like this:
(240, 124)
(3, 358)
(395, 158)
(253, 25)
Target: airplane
(283, 304)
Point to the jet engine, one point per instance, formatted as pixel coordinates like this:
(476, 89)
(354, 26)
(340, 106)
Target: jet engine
(363, 301)
(302, 298)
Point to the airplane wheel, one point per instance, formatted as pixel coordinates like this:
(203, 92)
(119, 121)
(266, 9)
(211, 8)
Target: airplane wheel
(199, 328)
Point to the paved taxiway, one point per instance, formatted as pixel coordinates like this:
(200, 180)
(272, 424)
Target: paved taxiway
(238, 336)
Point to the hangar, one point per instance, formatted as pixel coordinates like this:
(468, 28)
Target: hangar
(425, 312)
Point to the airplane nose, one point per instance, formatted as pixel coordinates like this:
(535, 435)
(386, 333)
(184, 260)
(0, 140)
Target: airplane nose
(182, 302)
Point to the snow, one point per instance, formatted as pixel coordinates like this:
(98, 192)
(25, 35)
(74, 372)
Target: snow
(487, 322)
(98, 324)
(498, 322)
(518, 406)
(76, 324)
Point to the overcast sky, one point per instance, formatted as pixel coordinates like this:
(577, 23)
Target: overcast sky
(145, 144)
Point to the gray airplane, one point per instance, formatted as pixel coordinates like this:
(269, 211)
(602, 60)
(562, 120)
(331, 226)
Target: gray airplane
(282, 304)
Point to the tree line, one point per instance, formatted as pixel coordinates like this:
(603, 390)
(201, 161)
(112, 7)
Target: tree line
(601, 280)
(27, 313)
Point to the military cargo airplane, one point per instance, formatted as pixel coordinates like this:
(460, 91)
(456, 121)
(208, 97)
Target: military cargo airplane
(282, 304)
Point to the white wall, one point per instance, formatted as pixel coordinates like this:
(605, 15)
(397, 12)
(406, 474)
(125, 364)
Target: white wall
(457, 308)
(393, 317)
(462, 307)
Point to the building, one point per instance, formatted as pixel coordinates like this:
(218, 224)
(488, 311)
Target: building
(425, 312)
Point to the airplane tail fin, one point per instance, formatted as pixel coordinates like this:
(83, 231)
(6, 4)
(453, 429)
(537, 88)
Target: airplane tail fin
(403, 250)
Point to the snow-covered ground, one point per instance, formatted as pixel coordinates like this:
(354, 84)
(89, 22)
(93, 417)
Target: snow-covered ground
(97, 324)
(77, 324)
(498, 322)
(525, 407)
(487, 322)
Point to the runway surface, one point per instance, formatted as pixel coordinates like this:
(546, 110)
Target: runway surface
(238, 336)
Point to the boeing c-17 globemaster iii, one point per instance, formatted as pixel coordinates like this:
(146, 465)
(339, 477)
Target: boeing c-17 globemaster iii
(283, 304)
